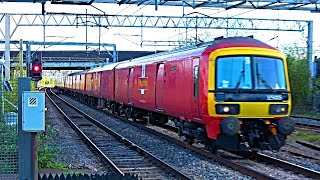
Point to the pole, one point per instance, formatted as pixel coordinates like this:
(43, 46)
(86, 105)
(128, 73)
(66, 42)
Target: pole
(21, 58)
(2, 90)
(28, 58)
(27, 142)
(115, 58)
(310, 49)
(7, 47)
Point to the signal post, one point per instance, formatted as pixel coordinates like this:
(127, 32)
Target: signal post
(30, 121)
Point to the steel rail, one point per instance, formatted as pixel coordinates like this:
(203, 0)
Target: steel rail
(309, 145)
(167, 167)
(283, 164)
(306, 117)
(235, 166)
(314, 128)
(86, 138)
(230, 164)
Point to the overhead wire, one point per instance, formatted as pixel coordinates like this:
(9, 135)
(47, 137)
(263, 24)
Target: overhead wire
(108, 29)
(190, 30)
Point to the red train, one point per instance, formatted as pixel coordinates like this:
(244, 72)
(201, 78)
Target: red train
(233, 94)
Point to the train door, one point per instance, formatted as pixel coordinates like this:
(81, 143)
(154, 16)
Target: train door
(195, 99)
(130, 85)
(160, 86)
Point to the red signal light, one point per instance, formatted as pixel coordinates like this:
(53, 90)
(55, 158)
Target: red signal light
(36, 68)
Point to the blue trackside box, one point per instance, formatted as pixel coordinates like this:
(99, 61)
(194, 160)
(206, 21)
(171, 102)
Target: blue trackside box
(33, 108)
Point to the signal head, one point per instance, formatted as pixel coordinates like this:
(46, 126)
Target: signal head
(36, 70)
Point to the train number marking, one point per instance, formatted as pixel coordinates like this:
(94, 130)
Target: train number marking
(274, 97)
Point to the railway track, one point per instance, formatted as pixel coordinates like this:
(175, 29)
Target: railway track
(309, 145)
(306, 125)
(263, 157)
(283, 164)
(236, 166)
(268, 159)
(121, 155)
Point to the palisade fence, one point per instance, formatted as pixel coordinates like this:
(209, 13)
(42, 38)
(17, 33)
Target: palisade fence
(9, 123)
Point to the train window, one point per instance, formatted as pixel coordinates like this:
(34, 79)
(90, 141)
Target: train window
(234, 73)
(269, 73)
(255, 72)
(196, 81)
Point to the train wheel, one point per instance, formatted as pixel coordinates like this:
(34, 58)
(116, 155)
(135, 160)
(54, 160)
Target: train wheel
(211, 146)
(179, 131)
(128, 113)
(113, 108)
(189, 140)
(118, 112)
(134, 116)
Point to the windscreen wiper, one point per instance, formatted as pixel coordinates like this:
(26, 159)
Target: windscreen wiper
(241, 77)
(260, 78)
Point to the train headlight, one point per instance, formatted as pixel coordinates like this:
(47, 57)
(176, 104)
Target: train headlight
(227, 108)
(286, 125)
(277, 109)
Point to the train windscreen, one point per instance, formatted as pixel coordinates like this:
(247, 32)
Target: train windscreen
(250, 72)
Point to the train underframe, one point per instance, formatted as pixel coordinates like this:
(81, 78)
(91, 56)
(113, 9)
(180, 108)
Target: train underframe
(254, 134)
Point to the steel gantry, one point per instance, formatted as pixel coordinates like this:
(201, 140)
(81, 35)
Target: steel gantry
(200, 21)
(306, 5)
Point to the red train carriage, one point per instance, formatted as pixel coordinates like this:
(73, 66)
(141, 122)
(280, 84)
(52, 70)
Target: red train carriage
(233, 94)
(107, 82)
(92, 79)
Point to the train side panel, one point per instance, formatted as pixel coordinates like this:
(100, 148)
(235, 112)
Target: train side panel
(83, 83)
(78, 83)
(72, 85)
(121, 86)
(107, 85)
(96, 84)
(142, 84)
(178, 88)
(88, 84)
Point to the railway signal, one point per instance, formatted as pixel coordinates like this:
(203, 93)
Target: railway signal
(36, 70)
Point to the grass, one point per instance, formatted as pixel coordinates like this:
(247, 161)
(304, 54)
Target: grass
(47, 155)
(305, 135)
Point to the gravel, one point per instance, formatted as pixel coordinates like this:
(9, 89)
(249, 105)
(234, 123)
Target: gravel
(196, 166)
(185, 160)
(74, 153)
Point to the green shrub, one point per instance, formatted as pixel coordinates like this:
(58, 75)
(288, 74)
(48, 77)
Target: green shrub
(299, 75)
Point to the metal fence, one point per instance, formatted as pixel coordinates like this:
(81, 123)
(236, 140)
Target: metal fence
(89, 177)
(9, 126)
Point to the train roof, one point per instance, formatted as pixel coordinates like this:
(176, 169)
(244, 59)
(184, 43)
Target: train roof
(78, 73)
(197, 50)
(182, 52)
(104, 68)
(239, 42)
